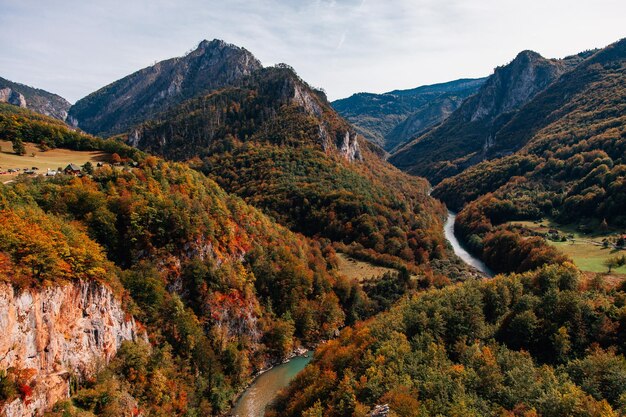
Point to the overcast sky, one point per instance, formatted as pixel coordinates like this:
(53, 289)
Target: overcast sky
(73, 47)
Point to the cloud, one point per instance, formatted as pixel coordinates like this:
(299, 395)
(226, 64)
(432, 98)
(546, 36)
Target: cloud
(73, 47)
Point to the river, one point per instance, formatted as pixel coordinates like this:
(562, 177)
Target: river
(253, 401)
(458, 248)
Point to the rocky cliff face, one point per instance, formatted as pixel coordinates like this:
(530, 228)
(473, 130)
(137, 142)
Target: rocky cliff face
(136, 98)
(7, 95)
(514, 85)
(56, 333)
(34, 99)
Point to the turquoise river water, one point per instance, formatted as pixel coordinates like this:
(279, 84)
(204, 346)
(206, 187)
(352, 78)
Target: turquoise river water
(253, 401)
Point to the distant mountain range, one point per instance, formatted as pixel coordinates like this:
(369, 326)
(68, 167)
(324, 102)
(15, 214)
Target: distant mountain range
(393, 118)
(34, 99)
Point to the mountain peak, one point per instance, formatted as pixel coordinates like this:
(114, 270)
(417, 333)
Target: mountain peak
(528, 54)
(216, 44)
(147, 92)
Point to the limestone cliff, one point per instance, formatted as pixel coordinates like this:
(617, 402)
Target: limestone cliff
(55, 333)
(8, 95)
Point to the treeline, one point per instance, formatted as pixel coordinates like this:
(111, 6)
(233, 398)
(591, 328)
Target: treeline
(21, 125)
(540, 343)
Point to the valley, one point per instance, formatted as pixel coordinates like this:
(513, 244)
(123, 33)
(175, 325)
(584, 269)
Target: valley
(460, 250)
(231, 215)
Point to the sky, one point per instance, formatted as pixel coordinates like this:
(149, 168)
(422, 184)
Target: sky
(74, 47)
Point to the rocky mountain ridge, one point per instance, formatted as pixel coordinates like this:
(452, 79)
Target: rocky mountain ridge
(34, 99)
(136, 98)
(265, 106)
(467, 136)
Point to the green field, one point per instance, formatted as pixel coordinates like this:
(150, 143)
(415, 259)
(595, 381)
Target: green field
(585, 249)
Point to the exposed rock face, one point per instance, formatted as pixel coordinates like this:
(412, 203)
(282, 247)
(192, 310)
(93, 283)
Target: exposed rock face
(34, 99)
(136, 98)
(467, 135)
(392, 118)
(7, 95)
(345, 143)
(349, 147)
(514, 85)
(58, 332)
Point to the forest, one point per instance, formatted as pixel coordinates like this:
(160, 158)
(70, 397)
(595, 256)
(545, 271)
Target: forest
(283, 158)
(222, 290)
(220, 235)
(539, 343)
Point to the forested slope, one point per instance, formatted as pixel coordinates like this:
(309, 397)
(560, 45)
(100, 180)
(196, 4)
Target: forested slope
(537, 344)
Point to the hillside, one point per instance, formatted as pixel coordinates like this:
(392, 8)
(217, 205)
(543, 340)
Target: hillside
(35, 99)
(571, 168)
(390, 119)
(134, 99)
(524, 345)
(278, 144)
(222, 290)
(469, 134)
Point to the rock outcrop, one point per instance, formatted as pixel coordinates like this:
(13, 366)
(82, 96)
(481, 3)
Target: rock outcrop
(140, 96)
(57, 333)
(34, 99)
(272, 105)
(7, 95)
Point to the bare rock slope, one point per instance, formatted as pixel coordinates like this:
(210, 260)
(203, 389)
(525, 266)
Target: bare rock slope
(55, 333)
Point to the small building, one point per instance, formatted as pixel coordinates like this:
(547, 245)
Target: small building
(72, 169)
(51, 172)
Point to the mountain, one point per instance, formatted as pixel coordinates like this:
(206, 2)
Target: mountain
(470, 134)
(272, 105)
(393, 118)
(571, 167)
(34, 99)
(277, 143)
(133, 99)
